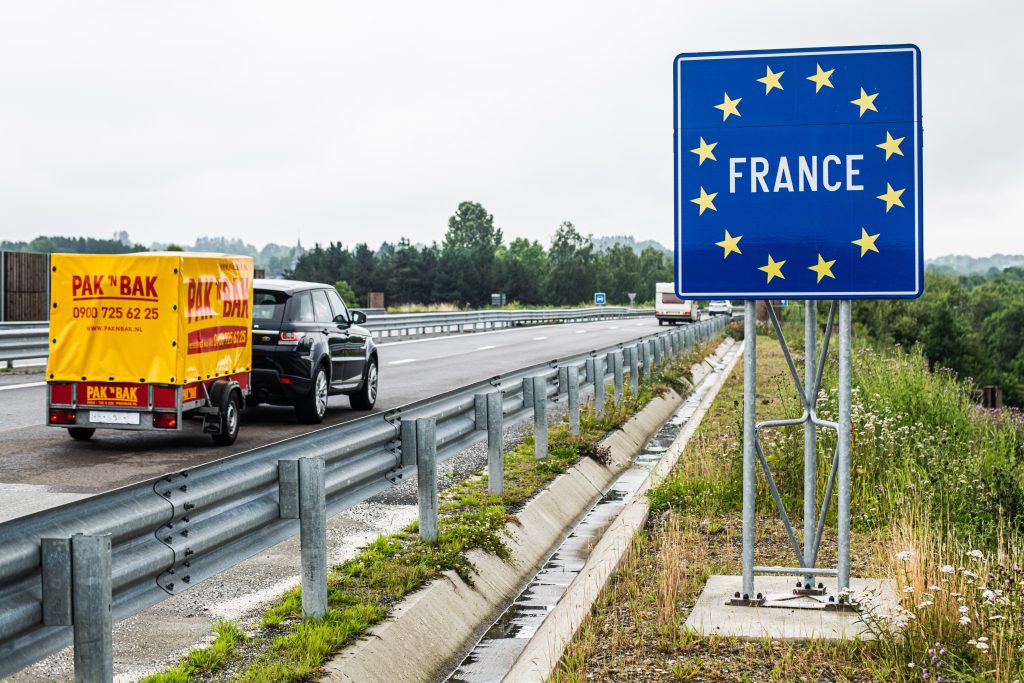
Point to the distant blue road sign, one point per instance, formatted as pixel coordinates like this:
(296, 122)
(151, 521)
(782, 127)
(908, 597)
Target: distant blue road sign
(599, 298)
(798, 173)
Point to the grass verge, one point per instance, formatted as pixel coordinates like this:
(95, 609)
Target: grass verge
(362, 591)
(937, 486)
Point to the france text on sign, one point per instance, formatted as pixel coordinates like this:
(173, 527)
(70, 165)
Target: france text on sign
(798, 173)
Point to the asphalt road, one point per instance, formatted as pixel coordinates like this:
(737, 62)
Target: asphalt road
(41, 466)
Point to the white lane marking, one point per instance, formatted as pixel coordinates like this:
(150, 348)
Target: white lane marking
(485, 348)
(581, 331)
(23, 386)
(402, 361)
(613, 327)
(539, 338)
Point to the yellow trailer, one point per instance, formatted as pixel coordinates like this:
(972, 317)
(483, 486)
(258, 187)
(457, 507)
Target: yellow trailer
(149, 341)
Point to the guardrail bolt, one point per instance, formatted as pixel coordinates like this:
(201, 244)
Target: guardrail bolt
(495, 444)
(426, 474)
(313, 536)
(91, 598)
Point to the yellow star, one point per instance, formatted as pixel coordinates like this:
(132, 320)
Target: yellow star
(729, 106)
(891, 146)
(774, 268)
(865, 102)
(705, 151)
(771, 80)
(729, 244)
(891, 197)
(705, 201)
(824, 268)
(866, 242)
(822, 78)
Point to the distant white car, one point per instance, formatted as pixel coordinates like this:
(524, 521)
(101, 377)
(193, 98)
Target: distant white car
(720, 308)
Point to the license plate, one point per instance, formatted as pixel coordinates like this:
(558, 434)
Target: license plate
(110, 417)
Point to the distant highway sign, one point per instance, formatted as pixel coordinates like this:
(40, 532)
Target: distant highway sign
(798, 173)
(599, 298)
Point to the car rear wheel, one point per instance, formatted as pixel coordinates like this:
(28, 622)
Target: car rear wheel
(81, 433)
(230, 419)
(312, 407)
(366, 397)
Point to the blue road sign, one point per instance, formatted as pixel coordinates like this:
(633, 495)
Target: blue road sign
(798, 173)
(599, 298)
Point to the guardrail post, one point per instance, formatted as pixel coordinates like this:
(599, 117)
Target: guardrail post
(495, 444)
(426, 474)
(563, 379)
(313, 537)
(658, 360)
(599, 397)
(91, 597)
(573, 375)
(538, 394)
(634, 368)
(616, 357)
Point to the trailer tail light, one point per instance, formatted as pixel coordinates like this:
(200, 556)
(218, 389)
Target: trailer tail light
(165, 397)
(60, 416)
(290, 337)
(165, 421)
(61, 393)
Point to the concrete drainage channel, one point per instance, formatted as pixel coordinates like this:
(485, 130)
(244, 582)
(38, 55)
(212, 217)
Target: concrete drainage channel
(433, 630)
(506, 639)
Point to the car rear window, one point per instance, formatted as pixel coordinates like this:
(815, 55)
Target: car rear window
(300, 310)
(268, 306)
(670, 298)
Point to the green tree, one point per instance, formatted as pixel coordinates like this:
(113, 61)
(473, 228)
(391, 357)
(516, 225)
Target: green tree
(347, 295)
(522, 271)
(468, 256)
(571, 278)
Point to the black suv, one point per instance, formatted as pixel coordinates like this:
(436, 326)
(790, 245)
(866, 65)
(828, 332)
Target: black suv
(306, 346)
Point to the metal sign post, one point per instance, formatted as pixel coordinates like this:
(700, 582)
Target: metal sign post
(798, 176)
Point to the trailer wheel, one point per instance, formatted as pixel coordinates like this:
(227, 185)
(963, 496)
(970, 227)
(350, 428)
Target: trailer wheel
(81, 433)
(230, 418)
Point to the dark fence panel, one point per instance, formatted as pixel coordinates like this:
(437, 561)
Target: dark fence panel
(24, 286)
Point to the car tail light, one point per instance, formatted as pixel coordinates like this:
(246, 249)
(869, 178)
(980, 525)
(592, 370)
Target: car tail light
(165, 397)
(60, 416)
(290, 337)
(165, 421)
(61, 393)
(286, 380)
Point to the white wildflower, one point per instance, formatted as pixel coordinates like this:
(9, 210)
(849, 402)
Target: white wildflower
(963, 609)
(934, 588)
(976, 554)
(964, 621)
(908, 589)
(988, 595)
(981, 645)
(904, 555)
(947, 569)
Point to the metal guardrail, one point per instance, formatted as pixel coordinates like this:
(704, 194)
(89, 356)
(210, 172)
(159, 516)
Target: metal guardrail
(23, 341)
(27, 341)
(161, 536)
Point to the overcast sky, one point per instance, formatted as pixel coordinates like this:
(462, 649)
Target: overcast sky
(362, 121)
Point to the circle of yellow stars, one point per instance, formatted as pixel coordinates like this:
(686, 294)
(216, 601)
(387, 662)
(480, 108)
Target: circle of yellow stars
(772, 80)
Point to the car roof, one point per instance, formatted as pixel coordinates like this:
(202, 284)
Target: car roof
(288, 286)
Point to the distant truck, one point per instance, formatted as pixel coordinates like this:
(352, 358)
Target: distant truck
(149, 342)
(669, 309)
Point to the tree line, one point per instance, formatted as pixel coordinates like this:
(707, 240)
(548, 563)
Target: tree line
(971, 324)
(474, 261)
